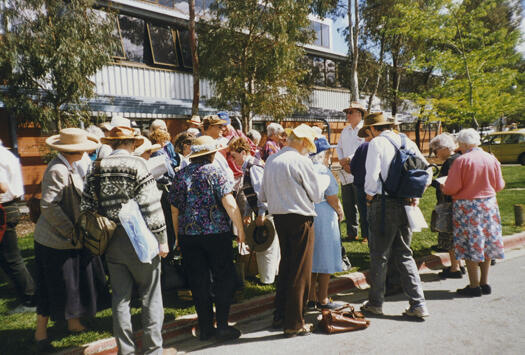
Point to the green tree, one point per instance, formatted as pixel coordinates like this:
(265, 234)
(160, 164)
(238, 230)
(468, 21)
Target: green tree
(249, 50)
(50, 51)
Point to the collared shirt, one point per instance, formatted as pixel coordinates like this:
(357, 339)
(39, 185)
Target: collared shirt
(346, 147)
(196, 192)
(380, 155)
(11, 175)
(220, 162)
(290, 184)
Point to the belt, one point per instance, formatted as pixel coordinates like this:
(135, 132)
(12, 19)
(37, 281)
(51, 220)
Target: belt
(403, 200)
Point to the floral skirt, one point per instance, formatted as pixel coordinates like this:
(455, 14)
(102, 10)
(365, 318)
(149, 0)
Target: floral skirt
(477, 229)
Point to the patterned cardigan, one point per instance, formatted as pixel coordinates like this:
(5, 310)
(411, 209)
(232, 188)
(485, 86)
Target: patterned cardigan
(124, 177)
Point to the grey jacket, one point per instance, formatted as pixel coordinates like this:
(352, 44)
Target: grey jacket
(60, 206)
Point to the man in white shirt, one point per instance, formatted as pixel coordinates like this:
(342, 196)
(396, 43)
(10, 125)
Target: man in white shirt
(213, 126)
(390, 235)
(346, 147)
(291, 187)
(11, 192)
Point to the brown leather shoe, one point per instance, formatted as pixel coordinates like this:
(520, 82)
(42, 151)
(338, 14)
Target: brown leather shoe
(306, 329)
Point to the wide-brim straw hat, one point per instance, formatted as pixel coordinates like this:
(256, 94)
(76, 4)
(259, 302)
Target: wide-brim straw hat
(122, 133)
(306, 132)
(146, 146)
(355, 106)
(214, 120)
(196, 120)
(71, 140)
(376, 119)
(204, 145)
(261, 238)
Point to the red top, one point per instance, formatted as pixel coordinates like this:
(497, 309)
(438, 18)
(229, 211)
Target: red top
(475, 174)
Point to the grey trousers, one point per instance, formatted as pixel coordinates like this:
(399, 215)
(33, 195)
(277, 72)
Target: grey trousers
(125, 270)
(390, 238)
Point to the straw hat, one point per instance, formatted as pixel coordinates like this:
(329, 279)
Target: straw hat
(196, 120)
(373, 119)
(306, 132)
(259, 239)
(204, 145)
(213, 120)
(73, 140)
(121, 133)
(119, 121)
(146, 146)
(355, 106)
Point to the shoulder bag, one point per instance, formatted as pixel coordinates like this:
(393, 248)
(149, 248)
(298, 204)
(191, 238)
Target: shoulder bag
(343, 319)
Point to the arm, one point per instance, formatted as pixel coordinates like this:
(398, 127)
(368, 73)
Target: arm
(235, 215)
(256, 175)
(454, 182)
(334, 202)
(3, 188)
(175, 218)
(499, 183)
(309, 179)
(373, 169)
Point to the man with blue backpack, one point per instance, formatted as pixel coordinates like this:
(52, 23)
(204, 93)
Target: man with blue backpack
(396, 176)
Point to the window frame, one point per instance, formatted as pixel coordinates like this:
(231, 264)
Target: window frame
(121, 42)
(174, 37)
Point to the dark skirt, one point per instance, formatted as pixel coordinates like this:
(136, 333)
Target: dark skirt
(70, 283)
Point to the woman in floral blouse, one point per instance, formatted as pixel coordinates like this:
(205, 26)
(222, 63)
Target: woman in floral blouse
(202, 206)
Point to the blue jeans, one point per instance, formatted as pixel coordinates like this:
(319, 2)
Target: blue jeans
(390, 237)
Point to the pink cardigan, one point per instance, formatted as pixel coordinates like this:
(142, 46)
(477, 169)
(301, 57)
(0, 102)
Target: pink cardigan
(475, 174)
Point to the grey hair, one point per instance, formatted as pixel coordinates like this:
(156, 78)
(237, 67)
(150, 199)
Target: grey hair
(156, 124)
(469, 136)
(443, 140)
(254, 135)
(274, 128)
(319, 157)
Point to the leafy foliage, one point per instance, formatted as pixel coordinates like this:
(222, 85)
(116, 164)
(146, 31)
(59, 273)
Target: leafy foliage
(48, 55)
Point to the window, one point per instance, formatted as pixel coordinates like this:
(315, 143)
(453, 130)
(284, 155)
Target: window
(184, 45)
(319, 71)
(162, 42)
(322, 34)
(132, 34)
(203, 4)
(330, 73)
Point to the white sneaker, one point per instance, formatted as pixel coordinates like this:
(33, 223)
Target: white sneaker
(366, 307)
(417, 311)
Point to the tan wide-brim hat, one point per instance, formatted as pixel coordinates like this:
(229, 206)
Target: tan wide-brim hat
(72, 140)
(214, 120)
(306, 132)
(146, 146)
(260, 239)
(376, 119)
(355, 106)
(121, 133)
(196, 120)
(204, 145)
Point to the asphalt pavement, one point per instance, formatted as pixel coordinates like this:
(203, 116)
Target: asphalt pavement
(492, 324)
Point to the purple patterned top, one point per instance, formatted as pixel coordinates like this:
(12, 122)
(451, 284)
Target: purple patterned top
(197, 191)
(270, 148)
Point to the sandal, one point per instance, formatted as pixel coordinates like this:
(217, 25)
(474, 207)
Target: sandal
(303, 331)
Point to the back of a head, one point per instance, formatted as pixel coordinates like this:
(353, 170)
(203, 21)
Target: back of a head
(443, 140)
(158, 124)
(273, 129)
(469, 136)
(254, 135)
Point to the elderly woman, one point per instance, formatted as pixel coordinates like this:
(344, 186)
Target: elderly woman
(444, 146)
(122, 177)
(182, 144)
(327, 248)
(202, 200)
(473, 181)
(157, 137)
(274, 133)
(70, 281)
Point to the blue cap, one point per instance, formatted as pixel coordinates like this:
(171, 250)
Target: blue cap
(322, 144)
(223, 115)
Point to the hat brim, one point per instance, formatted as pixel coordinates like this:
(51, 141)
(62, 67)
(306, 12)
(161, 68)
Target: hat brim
(250, 240)
(109, 140)
(363, 111)
(92, 143)
(206, 152)
(194, 122)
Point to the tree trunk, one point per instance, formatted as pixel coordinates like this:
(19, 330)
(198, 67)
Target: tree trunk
(58, 119)
(194, 59)
(353, 43)
(379, 72)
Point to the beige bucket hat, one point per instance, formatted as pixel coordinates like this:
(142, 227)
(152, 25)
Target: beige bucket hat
(72, 140)
(121, 133)
(204, 145)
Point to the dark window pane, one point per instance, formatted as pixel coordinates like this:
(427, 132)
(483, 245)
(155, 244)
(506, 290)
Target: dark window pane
(330, 73)
(203, 4)
(132, 31)
(319, 71)
(162, 45)
(325, 35)
(184, 37)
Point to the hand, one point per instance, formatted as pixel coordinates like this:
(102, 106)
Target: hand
(163, 250)
(414, 202)
(241, 237)
(246, 220)
(340, 214)
(347, 169)
(259, 222)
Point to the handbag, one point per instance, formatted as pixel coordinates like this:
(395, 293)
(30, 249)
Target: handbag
(172, 276)
(343, 319)
(441, 219)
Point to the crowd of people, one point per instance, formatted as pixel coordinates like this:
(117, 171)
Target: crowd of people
(212, 184)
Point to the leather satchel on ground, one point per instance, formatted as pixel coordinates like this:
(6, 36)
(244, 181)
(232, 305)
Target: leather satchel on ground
(343, 319)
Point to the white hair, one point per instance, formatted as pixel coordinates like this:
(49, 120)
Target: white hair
(254, 135)
(443, 140)
(273, 129)
(193, 131)
(95, 131)
(469, 136)
(156, 124)
(319, 157)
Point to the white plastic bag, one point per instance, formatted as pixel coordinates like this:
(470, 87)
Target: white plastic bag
(144, 242)
(416, 220)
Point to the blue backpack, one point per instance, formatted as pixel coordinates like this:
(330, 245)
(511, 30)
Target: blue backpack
(407, 175)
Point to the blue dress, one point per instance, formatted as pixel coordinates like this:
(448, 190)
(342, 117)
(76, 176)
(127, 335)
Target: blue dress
(327, 248)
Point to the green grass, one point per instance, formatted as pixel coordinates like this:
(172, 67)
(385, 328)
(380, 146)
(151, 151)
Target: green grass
(16, 331)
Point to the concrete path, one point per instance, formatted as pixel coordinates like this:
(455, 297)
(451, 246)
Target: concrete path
(486, 325)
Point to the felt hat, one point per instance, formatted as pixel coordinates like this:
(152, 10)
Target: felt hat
(121, 133)
(195, 119)
(322, 144)
(204, 145)
(73, 140)
(213, 120)
(146, 146)
(259, 239)
(306, 132)
(355, 106)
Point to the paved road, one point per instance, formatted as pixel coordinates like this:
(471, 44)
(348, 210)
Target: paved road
(493, 324)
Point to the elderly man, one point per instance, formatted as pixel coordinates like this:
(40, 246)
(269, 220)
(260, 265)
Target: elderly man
(213, 126)
(390, 235)
(291, 187)
(346, 148)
